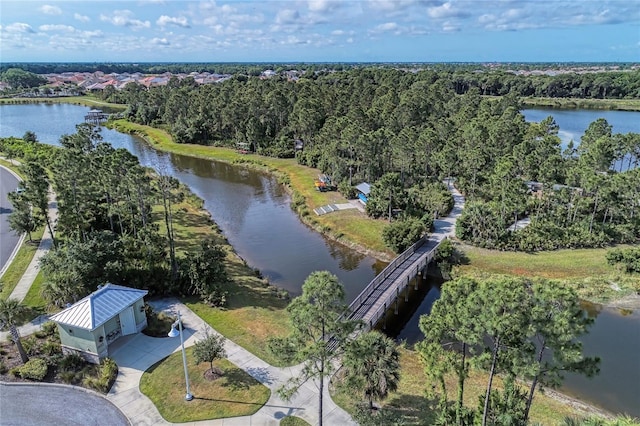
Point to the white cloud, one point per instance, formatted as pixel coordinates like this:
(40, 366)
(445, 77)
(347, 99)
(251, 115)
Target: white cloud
(81, 18)
(160, 41)
(446, 10)
(323, 6)
(124, 18)
(180, 21)
(18, 27)
(47, 9)
(58, 27)
(287, 16)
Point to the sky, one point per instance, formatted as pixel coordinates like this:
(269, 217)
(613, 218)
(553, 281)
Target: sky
(320, 31)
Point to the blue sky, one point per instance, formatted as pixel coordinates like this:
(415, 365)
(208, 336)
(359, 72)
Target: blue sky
(320, 31)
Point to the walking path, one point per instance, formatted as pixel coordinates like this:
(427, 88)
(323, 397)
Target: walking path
(135, 354)
(23, 286)
(30, 274)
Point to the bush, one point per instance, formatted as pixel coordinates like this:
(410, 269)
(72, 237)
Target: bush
(349, 192)
(108, 370)
(400, 235)
(73, 362)
(628, 258)
(34, 369)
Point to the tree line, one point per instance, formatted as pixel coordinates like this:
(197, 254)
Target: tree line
(403, 132)
(110, 211)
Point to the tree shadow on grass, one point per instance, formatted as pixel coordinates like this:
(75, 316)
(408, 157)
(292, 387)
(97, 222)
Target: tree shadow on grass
(412, 409)
(236, 380)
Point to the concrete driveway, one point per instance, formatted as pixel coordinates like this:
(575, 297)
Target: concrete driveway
(49, 404)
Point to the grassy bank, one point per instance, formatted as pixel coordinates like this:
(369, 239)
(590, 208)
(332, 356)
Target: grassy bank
(348, 226)
(410, 404)
(255, 309)
(574, 103)
(586, 270)
(88, 101)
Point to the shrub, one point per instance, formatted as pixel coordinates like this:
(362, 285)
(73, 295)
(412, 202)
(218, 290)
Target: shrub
(34, 369)
(108, 370)
(50, 347)
(73, 362)
(400, 235)
(349, 192)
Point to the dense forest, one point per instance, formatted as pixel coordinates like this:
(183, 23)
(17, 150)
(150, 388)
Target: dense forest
(115, 221)
(403, 132)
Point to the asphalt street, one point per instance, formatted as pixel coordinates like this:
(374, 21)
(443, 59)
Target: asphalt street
(34, 405)
(8, 239)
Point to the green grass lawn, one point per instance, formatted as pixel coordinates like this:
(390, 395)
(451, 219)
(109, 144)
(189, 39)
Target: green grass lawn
(89, 101)
(20, 263)
(234, 394)
(293, 421)
(586, 270)
(573, 103)
(411, 404)
(254, 310)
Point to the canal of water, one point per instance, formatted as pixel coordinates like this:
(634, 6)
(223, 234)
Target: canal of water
(253, 212)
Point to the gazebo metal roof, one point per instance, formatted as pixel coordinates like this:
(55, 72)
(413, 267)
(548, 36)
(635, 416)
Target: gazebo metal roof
(99, 307)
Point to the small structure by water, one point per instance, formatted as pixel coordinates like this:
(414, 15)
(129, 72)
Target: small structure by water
(96, 116)
(363, 191)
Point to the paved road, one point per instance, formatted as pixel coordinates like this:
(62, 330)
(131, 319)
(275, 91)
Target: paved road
(8, 239)
(33, 405)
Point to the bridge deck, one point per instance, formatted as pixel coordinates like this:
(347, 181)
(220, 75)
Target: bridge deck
(370, 307)
(373, 302)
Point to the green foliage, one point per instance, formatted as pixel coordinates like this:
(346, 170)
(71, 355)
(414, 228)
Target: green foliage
(210, 348)
(522, 329)
(348, 191)
(34, 369)
(107, 372)
(319, 333)
(387, 194)
(401, 234)
(371, 366)
(18, 78)
(205, 273)
(365, 416)
(628, 259)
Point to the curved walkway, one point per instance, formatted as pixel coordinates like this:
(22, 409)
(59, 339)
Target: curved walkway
(23, 286)
(135, 354)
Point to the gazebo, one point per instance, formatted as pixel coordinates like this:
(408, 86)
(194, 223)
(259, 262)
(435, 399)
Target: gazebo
(90, 325)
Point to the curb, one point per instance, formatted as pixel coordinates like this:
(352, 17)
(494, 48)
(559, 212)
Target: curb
(22, 237)
(60, 385)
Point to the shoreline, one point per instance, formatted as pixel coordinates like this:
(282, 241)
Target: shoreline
(630, 301)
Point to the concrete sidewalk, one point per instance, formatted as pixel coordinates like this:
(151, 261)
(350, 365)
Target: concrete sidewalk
(23, 286)
(135, 354)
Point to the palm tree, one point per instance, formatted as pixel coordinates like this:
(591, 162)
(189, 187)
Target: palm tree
(372, 366)
(10, 309)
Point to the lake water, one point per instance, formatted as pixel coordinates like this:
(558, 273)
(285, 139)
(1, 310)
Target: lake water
(253, 212)
(251, 208)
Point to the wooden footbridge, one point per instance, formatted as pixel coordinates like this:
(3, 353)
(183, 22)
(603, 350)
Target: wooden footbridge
(385, 290)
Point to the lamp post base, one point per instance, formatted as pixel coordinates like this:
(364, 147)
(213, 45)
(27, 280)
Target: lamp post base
(188, 397)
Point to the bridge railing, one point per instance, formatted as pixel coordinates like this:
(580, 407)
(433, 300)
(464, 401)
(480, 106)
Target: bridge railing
(373, 285)
(391, 297)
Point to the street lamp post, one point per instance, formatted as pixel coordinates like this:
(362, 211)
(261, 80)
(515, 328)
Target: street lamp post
(174, 333)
